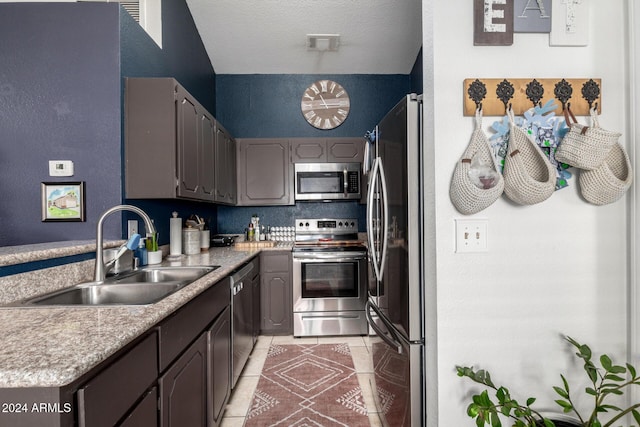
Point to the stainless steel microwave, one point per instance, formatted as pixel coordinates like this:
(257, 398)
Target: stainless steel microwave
(327, 181)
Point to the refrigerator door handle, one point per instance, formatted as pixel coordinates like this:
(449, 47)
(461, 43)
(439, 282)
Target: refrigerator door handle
(391, 341)
(370, 228)
(385, 209)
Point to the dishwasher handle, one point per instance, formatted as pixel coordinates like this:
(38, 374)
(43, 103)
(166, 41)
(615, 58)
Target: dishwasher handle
(237, 287)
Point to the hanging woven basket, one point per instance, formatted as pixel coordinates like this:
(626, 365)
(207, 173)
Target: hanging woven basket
(529, 176)
(585, 147)
(467, 197)
(608, 182)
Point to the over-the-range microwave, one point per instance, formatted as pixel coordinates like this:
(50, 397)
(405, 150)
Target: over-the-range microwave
(327, 181)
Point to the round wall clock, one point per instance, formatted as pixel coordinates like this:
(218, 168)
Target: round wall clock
(325, 104)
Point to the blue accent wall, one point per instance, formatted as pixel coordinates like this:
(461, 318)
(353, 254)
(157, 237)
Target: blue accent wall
(59, 100)
(268, 105)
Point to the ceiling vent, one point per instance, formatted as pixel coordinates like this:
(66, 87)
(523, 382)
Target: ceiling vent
(323, 42)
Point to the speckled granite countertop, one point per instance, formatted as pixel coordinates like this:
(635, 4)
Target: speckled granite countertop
(51, 347)
(10, 255)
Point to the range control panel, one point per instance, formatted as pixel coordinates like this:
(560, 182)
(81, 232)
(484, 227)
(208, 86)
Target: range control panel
(326, 225)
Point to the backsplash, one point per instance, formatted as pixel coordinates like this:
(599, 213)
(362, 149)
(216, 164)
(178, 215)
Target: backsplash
(233, 220)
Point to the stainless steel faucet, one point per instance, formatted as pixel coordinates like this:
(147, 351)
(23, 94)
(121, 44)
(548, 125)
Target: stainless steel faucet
(148, 224)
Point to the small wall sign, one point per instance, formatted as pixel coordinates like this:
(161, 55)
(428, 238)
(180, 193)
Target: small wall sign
(63, 201)
(493, 22)
(532, 16)
(570, 24)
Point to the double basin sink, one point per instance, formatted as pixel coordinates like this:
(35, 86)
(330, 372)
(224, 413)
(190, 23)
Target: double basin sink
(143, 286)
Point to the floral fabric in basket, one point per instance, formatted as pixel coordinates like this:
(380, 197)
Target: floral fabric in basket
(543, 127)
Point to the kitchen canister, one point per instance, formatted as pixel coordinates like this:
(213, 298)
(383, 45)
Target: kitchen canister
(205, 240)
(190, 241)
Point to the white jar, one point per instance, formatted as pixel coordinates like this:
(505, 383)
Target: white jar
(190, 241)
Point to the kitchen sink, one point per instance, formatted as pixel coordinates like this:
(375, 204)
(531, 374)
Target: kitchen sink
(141, 287)
(162, 275)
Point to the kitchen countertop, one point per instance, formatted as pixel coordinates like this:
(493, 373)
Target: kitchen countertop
(53, 346)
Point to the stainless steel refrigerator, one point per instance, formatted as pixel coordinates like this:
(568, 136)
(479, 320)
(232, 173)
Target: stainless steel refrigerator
(395, 309)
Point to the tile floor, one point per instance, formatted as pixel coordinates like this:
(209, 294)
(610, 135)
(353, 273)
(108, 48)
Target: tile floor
(238, 405)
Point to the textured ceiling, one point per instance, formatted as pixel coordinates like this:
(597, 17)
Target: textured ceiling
(269, 36)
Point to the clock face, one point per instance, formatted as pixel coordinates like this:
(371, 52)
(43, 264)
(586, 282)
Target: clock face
(325, 104)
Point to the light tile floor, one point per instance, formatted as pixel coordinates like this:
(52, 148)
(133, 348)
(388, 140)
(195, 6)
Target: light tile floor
(241, 396)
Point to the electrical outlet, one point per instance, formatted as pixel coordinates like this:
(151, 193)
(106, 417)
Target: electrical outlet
(472, 235)
(132, 227)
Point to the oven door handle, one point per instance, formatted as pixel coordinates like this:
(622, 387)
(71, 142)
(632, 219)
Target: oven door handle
(390, 339)
(320, 257)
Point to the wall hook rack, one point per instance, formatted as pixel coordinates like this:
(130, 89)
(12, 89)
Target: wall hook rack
(520, 93)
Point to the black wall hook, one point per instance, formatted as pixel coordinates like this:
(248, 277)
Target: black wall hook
(477, 91)
(590, 92)
(505, 92)
(563, 92)
(535, 92)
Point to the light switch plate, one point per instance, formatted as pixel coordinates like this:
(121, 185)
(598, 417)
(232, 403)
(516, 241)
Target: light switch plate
(60, 168)
(472, 235)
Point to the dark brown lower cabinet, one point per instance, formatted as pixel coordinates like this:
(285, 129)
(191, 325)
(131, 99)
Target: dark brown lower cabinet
(276, 295)
(177, 374)
(219, 378)
(145, 413)
(183, 388)
(103, 400)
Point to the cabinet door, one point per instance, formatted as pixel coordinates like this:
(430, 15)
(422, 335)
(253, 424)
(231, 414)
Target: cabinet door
(311, 150)
(145, 414)
(345, 150)
(207, 163)
(275, 293)
(225, 167)
(265, 172)
(103, 400)
(183, 388)
(188, 146)
(219, 378)
(276, 306)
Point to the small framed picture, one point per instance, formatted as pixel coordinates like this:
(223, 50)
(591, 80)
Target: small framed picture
(63, 201)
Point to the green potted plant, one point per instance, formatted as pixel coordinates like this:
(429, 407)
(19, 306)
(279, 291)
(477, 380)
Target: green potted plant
(607, 380)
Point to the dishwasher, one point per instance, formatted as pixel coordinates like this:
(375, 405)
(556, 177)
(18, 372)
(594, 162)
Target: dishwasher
(241, 317)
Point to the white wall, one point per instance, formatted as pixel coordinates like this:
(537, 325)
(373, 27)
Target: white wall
(559, 267)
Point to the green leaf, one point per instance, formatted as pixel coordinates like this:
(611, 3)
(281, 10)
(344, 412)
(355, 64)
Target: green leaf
(548, 423)
(472, 410)
(636, 414)
(495, 420)
(561, 392)
(613, 378)
(500, 394)
(565, 382)
(606, 362)
(632, 370)
(479, 422)
(605, 408)
(484, 399)
(617, 369)
(590, 391)
(567, 406)
(530, 401)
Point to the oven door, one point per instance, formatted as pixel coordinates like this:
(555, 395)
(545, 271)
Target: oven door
(329, 281)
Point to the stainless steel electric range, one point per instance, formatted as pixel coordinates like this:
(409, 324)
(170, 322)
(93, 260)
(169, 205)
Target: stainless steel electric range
(329, 278)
